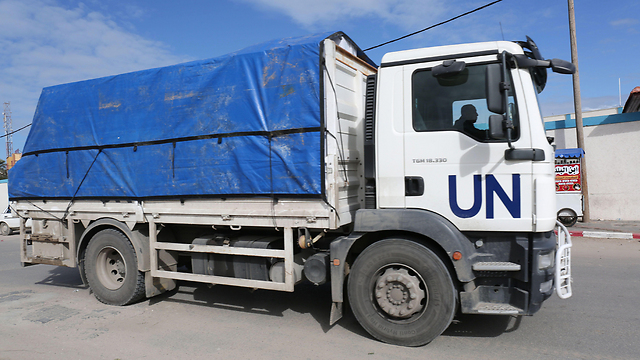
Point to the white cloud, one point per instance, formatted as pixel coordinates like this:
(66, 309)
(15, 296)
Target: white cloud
(601, 102)
(397, 17)
(44, 44)
(551, 108)
(406, 14)
(624, 22)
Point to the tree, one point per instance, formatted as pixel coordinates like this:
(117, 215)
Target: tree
(3, 169)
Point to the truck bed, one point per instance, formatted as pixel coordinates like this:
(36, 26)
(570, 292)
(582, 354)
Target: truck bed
(276, 154)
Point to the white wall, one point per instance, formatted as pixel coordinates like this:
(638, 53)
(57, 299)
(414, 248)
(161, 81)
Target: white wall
(4, 195)
(613, 166)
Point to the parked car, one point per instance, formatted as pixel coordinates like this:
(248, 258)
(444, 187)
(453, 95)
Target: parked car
(10, 222)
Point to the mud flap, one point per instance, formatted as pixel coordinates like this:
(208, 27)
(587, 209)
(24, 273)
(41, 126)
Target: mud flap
(167, 261)
(336, 313)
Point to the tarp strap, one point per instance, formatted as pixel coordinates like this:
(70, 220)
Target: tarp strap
(66, 212)
(273, 196)
(43, 210)
(273, 133)
(173, 160)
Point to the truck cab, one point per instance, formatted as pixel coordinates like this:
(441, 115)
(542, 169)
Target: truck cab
(460, 171)
(456, 158)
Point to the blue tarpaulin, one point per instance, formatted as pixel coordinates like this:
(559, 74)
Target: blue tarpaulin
(248, 123)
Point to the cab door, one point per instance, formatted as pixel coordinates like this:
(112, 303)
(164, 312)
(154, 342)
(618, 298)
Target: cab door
(451, 166)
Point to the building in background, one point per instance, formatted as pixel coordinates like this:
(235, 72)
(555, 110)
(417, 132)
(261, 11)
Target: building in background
(11, 160)
(612, 155)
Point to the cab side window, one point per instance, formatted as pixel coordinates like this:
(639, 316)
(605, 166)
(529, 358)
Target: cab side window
(454, 103)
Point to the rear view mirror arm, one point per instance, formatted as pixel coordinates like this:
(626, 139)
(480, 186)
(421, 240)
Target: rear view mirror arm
(556, 65)
(504, 88)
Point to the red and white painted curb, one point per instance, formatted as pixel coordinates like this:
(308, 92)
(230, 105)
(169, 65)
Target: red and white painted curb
(605, 234)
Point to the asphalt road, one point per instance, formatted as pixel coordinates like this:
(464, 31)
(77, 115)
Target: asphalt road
(45, 312)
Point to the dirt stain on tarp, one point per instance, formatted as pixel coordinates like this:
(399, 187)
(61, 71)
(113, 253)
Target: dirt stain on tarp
(287, 90)
(273, 68)
(111, 105)
(51, 313)
(179, 95)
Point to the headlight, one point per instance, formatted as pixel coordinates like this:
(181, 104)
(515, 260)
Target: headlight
(547, 260)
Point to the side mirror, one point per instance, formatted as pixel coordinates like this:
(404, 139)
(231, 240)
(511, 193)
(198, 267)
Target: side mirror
(495, 99)
(448, 67)
(496, 127)
(562, 66)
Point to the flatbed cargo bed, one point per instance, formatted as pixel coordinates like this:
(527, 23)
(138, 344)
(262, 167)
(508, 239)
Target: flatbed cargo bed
(284, 151)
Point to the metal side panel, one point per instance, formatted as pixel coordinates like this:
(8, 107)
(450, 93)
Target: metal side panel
(345, 92)
(50, 242)
(286, 254)
(258, 212)
(129, 212)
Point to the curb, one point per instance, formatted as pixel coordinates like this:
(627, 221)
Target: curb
(604, 234)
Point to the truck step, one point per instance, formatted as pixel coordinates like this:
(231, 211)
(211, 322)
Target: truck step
(496, 266)
(501, 309)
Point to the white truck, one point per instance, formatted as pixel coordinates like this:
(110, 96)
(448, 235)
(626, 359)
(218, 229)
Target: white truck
(419, 188)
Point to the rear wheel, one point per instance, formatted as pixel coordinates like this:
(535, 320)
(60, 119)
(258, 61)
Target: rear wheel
(401, 292)
(112, 269)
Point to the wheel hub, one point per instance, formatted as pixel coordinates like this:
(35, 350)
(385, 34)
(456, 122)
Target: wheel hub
(111, 268)
(398, 293)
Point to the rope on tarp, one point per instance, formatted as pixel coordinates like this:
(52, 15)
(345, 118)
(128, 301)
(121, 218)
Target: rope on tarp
(66, 212)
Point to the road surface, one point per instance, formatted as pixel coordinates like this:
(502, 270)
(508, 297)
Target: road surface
(45, 312)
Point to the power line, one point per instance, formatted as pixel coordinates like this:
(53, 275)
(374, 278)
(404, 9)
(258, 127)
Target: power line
(13, 132)
(432, 26)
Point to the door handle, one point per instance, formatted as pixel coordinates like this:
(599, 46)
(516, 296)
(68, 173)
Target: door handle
(413, 186)
(524, 154)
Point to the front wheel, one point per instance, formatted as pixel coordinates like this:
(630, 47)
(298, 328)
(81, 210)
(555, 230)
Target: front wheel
(401, 292)
(567, 217)
(5, 229)
(112, 269)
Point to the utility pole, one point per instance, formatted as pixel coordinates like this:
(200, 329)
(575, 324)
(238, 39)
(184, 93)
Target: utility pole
(578, 110)
(8, 127)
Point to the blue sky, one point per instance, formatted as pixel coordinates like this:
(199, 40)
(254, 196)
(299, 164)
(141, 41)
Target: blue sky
(49, 42)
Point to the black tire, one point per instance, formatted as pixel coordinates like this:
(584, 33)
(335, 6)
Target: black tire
(5, 229)
(111, 269)
(396, 263)
(568, 217)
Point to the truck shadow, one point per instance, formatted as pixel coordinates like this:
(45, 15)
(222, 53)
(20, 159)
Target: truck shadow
(307, 299)
(315, 301)
(466, 325)
(63, 277)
